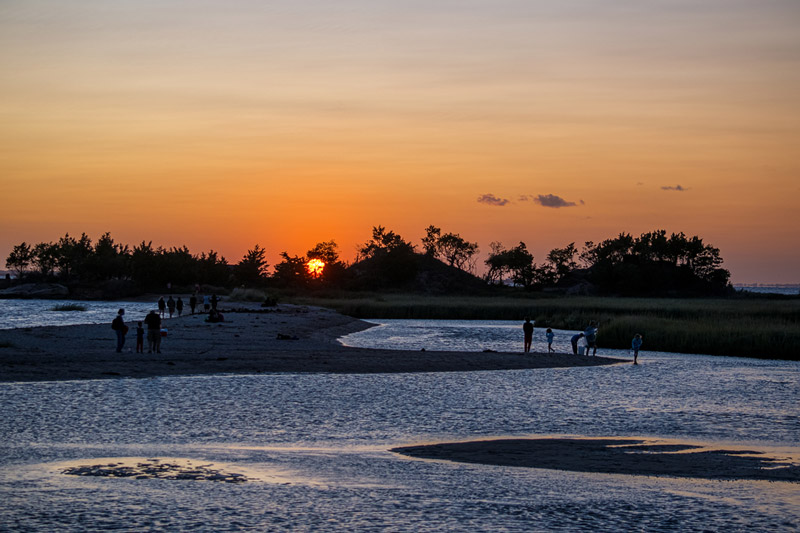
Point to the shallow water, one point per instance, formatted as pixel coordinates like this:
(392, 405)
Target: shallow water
(318, 447)
(32, 313)
(459, 336)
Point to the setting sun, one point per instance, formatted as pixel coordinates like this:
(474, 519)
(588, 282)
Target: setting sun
(315, 267)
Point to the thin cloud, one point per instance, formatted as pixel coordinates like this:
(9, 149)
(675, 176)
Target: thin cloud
(491, 199)
(551, 200)
(675, 188)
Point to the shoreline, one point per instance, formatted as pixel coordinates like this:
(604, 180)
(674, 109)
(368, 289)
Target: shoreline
(248, 342)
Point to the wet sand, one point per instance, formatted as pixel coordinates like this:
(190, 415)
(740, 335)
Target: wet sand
(247, 342)
(617, 456)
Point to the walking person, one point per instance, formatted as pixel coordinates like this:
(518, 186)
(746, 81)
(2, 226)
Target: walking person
(636, 343)
(214, 301)
(591, 337)
(171, 306)
(162, 307)
(206, 303)
(193, 302)
(179, 306)
(574, 340)
(550, 336)
(118, 325)
(527, 329)
(153, 321)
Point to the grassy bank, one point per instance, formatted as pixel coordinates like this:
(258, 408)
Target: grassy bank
(749, 327)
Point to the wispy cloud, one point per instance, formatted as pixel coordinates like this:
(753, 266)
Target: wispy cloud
(491, 199)
(551, 200)
(674, 188)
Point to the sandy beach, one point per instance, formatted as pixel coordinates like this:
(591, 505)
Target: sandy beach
(285, 338)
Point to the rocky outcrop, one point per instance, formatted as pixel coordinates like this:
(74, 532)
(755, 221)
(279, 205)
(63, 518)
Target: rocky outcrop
(35, 290)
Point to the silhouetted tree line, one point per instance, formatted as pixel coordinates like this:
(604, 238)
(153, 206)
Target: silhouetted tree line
(653, 263)
(79, 260)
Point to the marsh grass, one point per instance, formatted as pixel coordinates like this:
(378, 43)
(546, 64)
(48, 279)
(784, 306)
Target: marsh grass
(247, 295)
(69, 307)
(750, 328)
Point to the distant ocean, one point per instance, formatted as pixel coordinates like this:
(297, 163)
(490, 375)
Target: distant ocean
(769, 288)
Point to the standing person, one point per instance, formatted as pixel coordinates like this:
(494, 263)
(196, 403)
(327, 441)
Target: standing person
(119, 326)
(527, 329)
(591, 337)
(179, 306)
(153, 321)
(139, 338)
(162, 307)
(214, 301)
(550, 336)
(636, 343)
(206, 303)
(574, 340)
(193, 302)
(171, 306)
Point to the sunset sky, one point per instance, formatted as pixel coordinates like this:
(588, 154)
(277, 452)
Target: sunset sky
(220, 125)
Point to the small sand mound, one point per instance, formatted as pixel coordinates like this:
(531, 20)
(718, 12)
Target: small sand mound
(156, 469)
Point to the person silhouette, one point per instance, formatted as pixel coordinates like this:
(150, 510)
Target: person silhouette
(591, 337)
(118, 325)
(527, 329)
(636, 343)
(574, 340)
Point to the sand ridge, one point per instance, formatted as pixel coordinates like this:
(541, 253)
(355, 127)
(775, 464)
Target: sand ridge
(285, 338)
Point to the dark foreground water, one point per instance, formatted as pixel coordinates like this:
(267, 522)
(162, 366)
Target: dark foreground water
(316, 447)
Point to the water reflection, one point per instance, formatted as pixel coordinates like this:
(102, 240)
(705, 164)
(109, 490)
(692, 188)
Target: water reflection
(328, 437)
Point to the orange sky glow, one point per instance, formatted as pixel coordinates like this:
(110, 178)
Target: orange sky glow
(222, 125)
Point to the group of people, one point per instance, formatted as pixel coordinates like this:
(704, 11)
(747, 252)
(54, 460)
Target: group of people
(154, 318)
(589, 334)
(153, 323)
(171, 306)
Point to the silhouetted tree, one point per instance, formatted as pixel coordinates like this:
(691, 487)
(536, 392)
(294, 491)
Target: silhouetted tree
(72, 255)
(252, 269)
(452, 249)
(657, 264)
(109, 260)
(334, 270)
(517, 262)
(292, 271)
(327, 252)
(383, 242)
(432, 234)
(561, 261)
(20, 259)
(45, 257)
(212, 269)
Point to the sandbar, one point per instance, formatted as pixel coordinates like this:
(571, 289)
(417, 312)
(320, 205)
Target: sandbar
(286, 338)
(616, 456)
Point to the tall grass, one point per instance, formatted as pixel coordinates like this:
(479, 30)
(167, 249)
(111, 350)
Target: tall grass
(751, 328)
(247, 295)
(69, 307)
